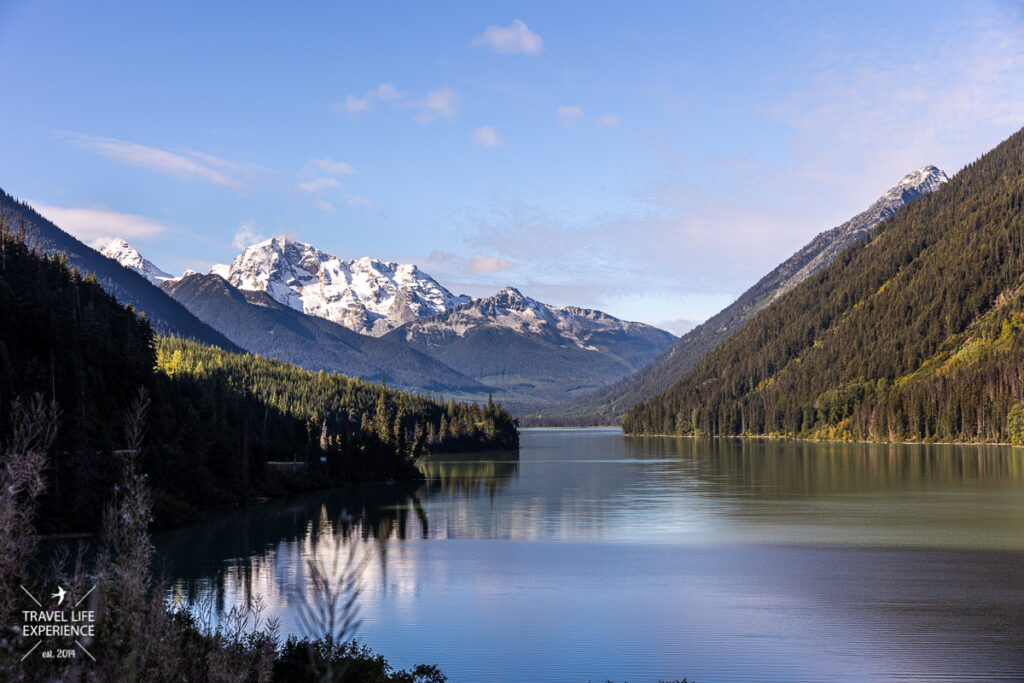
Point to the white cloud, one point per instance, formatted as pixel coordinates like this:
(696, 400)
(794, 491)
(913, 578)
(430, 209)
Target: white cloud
(569, 115)
(679, 326)
(385, 92)
(194, 165)
(443, 103)
(247, 236)
(353, 104)
(317, 184)
(334, 167)
(358, 200)
(324, 206)
(452, 266)
(96, 225)
(514, 39)
(608, 120)
(486, 136)
(945, 103)
(480, 264)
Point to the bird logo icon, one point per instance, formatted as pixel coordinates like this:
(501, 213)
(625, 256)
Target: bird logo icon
(59, 595)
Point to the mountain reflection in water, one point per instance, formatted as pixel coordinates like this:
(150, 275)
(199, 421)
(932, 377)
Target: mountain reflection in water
(594, 556)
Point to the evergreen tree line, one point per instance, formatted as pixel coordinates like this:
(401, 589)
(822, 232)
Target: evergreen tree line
(217, 418)
(915, 334)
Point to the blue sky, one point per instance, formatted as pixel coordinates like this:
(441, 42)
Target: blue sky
(652, 160)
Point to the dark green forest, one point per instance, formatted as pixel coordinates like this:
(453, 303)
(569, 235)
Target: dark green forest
(216, 419)
(913, 335)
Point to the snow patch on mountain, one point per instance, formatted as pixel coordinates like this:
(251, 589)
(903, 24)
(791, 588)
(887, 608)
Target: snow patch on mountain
(129, 257)
(512, 310)
(824, 248)
(365, 295)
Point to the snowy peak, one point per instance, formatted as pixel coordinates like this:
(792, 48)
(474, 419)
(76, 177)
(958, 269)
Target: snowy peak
(918, 182)
(129, 257)
(365, 295)
(510, 309)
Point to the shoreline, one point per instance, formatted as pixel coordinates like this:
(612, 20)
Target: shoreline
(797, 439)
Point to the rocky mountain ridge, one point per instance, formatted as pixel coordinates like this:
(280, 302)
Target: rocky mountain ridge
(129, 257)
(365, 295)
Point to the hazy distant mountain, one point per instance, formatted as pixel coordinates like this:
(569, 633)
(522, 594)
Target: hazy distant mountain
(129, 257)
(166, 315)
(535, 353)
(263, 326)
(609, 403)
(365, 295)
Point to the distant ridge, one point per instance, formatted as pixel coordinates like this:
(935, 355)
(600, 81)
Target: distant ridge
(166, 315)
(608, 404)
(536, 354)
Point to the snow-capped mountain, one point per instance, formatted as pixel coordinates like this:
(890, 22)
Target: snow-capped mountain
(129, 257)
(511, 310)
(274, 330)
(820, 251)
(535, 353)
(365, 295)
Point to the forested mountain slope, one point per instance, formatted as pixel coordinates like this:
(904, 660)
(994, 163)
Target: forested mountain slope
(608, 404)
(884, 342)
(166, 315)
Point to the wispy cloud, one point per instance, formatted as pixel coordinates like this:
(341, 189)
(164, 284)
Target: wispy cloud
(453, 266)
(384, 92)
(436, 104)
(611, 120)
(480, 264)
(98, 225)
(317, 184)
(679, 326)
(333, 167)
(247, 235)
(486, 136)
(358, 200)
(943, 104)
(353, 105)
(569, 115)
(514, 39)
(443, 103)
(324, 205)
(188, 164)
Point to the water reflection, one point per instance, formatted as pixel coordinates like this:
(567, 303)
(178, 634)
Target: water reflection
(589, 555)
(468, 476)
(263, 550)
(780, 469)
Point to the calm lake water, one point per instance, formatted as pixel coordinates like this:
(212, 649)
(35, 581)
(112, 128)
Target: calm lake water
(589, 556)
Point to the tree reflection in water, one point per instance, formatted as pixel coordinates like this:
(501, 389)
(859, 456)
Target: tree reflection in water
(250, 553)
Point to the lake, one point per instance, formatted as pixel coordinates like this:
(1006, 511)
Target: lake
(589, 556)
